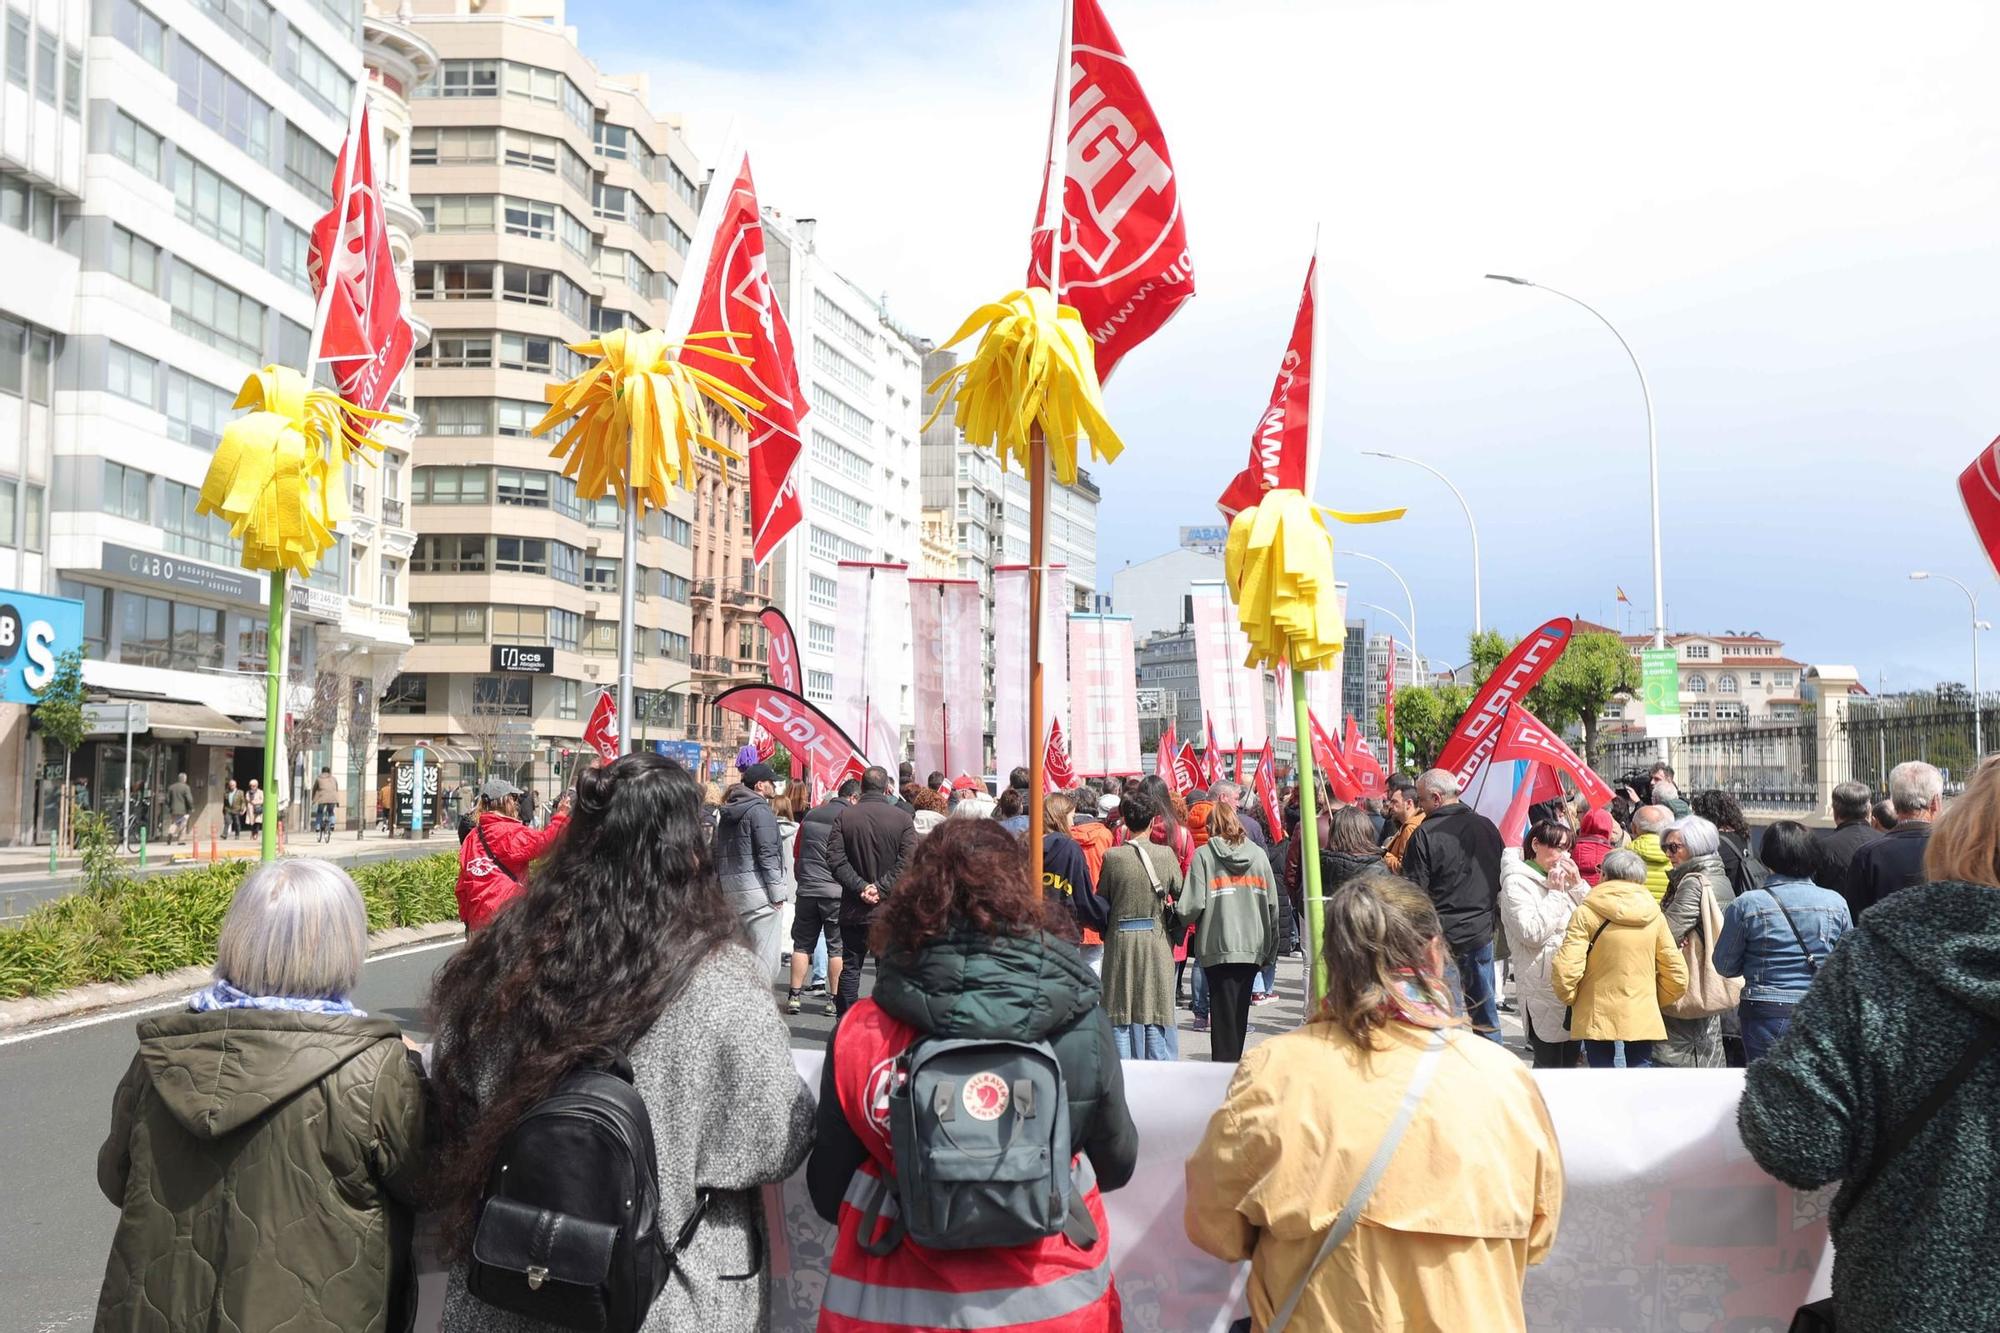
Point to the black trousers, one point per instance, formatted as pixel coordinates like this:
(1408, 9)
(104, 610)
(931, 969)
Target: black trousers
(1558, 1054)
(853, 953)
(1229, 1009)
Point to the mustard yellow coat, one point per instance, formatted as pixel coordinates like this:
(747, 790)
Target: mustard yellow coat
(1635, 968)
(1469, 1201)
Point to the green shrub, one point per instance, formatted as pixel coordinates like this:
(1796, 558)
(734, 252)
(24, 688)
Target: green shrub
(126, 928)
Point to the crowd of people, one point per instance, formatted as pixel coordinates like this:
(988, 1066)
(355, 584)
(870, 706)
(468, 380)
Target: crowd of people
(269, 1144)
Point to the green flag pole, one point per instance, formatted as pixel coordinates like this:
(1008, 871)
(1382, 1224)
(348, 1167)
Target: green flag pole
(1309, 855)
(274, 693)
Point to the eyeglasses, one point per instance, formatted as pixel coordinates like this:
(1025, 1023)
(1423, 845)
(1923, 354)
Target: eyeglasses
(1673, 847)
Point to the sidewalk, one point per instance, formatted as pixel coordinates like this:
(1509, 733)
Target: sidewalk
(25, 881)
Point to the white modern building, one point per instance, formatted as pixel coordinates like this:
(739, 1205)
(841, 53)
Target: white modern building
(161, 164)
(858, 478)
(1154, 592)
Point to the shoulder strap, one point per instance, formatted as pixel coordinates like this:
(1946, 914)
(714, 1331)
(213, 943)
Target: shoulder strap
(1152, 875)
(1913, 1124)
(1812, 959)
(1364, 1188)
(479, 831)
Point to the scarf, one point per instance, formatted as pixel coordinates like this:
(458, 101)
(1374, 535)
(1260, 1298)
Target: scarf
(222, 995)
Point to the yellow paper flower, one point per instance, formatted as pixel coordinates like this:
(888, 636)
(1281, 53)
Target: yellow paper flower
(279, 475)
(641, 392)
(1279, 563)
(1035, 363)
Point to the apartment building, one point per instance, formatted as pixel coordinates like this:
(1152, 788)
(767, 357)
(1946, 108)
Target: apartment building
(161, 164)
(1730, 677)
(858, 476)
(558, 206)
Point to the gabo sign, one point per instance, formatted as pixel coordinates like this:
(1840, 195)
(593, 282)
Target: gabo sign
(34, 632)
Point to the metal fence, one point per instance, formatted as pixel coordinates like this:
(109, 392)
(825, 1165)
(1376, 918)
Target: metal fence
(1938, 729)
(1765, 765)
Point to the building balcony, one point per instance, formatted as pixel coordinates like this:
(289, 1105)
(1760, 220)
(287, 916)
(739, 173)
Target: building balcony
(394, 513)
(702, 591)
(740, 596)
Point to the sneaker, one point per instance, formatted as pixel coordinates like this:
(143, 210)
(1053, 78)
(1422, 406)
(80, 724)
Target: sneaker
(1269, 997)
(792, 1002)
(1200, 1025)
(831, 1010)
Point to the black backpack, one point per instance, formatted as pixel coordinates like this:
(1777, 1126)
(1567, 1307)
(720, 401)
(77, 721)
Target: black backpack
(569, 1226)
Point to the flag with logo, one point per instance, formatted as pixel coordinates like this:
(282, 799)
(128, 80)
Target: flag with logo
(1370, 781)
(1211, 767)
(737, 297)
(1979, 488)
(1187, 769)
(601, 732)
(1115, 212)
(1282, 443)
(367, 338)
(1057, 772)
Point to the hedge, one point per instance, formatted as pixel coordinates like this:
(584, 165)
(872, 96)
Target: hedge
(133, 927)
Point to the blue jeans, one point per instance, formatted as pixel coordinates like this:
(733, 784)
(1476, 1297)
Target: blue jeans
(1604, 1054)
(1200, 1005)
(818, 974)
(1475, 981)
(1265, 982)
(1146, 1041)
(1764, 1021)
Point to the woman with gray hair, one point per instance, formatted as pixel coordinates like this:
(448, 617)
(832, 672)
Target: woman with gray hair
(266, 1143)
(1694, 849)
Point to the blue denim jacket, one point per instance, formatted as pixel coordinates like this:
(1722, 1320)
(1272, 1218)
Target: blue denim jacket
(1758, 945)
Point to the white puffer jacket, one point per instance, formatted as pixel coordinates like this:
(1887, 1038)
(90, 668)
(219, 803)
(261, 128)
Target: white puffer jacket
(1535, 914)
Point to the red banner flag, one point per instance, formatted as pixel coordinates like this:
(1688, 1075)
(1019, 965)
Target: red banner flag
(1211, 760)
(1124, 261)
(1340, 778)
(736, 297)
(781, 650)
(1525, 736)
(1389, 706)
(1979, 488)
(1369, 780)
(1187, 769)
(804, 730)
(601, 732)
(1471, 743)
(1267, 792)
(1057, 773)
(1163, 758)
(1281, 444)
(367, 337)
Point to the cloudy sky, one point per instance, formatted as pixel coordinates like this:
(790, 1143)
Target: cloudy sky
(1789, 210)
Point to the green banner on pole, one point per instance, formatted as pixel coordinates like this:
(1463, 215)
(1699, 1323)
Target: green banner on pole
(1660, 688)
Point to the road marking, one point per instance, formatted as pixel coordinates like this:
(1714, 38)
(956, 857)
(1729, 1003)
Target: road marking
(113, 1015)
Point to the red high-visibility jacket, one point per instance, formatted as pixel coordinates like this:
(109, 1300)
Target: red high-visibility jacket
(487, 881)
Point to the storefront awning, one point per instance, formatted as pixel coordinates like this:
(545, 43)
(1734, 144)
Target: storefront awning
(186, 722)
(435, 754)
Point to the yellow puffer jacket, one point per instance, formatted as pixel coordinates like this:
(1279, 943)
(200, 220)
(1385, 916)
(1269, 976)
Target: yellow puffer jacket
(1634, 969)
(1470, 1199)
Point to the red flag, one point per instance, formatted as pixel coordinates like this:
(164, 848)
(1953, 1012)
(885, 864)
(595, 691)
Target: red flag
(1057, 773)
(829, 755)
(1389, 704)
(1513, 825)
(782, 650)
(1281, 444)
(367, 338)
(1369, 780)
(1267, 792)
(1163, 758)
(1332, 762)
(1979, 487)
(1352, 742)
(601, 732)
(1239, 761)
(1211, 764)
(1471, 743)
(1124, 264)
(1187, 769)
(1525, 736)
(736, 297)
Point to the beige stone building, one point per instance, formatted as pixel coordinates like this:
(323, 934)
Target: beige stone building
(729, 591)
(558, 206)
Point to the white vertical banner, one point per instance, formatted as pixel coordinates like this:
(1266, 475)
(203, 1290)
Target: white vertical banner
(1010, 662)
(949, 685)
(1104, 726)
(873, 603)
(1232, 694)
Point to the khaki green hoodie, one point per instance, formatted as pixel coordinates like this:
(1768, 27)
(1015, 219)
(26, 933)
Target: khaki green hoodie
(1232, 903)
(263, 1164)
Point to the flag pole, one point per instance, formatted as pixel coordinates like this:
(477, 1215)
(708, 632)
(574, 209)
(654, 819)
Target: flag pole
(1038, 456)
(1309, 877)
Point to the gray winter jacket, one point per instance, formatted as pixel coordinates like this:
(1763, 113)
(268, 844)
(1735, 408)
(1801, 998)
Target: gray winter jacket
(750, 853)
(815, 876)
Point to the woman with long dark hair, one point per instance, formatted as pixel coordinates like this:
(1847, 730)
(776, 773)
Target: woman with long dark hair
(622, 945)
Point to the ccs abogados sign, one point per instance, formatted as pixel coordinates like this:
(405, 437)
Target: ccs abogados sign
(532, 659)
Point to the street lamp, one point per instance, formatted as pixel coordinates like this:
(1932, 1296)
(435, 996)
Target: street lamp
(1478, 618)
(1978, 729)
(1416, 657)
(1411, 627)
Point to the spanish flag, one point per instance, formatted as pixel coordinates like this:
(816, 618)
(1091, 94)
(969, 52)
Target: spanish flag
(1623, 598)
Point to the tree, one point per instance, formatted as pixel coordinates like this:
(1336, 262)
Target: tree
(1426, 716)
(1592, 671)
(58, 715)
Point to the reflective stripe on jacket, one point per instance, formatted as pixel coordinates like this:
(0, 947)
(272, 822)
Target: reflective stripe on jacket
(1047, 1287)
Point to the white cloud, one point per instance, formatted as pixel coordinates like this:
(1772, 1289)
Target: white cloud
(1786, 207)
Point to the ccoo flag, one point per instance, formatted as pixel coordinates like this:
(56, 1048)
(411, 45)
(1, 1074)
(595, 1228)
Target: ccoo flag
(367, 337)
(1124, 261)
(737, 297)
(1281, 445)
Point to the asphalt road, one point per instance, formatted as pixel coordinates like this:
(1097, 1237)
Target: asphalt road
(55, 1105)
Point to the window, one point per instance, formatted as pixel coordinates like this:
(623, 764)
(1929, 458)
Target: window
(294, 342)
(455, 416)
(1697, 712)
(682, 186)
(515, 417)
(520, 555)
(127, 492)
(674, 587)
(218, 208)
(406, 696)
(135, 145)
(457, 350)
(197, 410)
(26, 208)
(146, 629)
(829, 546)
(451, 485)
(1756, 679)
(1697, 685)
(226, 106)
(203, 536)
(610, 201)
(131, 23)
(131, 374)
(1697, 652)
(599, 638)
(10, 509)
(600, 574)
(528, 286)
(676, 529)
(564, 627)
(294, 253)
(1729, 712)
(819, 686)
(17, 55)
(392, 581)
(501, 696)
(673, 646)
(454, 282)
(216, 314)
(819, 636)
(309, 166)
(250, 19)
(1725, 684)
(445, 622)
(430, 145)
(48, 51)
(853, 465)
(567, 693)
(135, 259)
(611, 140)
(526, 351)
(31, 517)
(839, 504)
(464, 78)
(822, 590)
(1781, 680)
(449, 555)
(574, 234)
(853, 419)
(318, 77)
(72, 81)
(447, 213)
(842, 323)
(519, 624)
(514, 486)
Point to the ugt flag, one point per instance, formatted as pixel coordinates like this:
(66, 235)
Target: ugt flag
(736, 297)
(1124, 260)
(1281, 444)
(367, 338)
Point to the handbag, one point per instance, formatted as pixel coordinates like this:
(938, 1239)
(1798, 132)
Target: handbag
(1364, 1188)
(1708, 992)
(1824, 1316)
(1170, 914)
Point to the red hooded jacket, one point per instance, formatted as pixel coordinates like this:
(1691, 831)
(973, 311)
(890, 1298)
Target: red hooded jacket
(490, 879)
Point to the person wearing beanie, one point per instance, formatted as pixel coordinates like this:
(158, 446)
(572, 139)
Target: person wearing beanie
(750, 861)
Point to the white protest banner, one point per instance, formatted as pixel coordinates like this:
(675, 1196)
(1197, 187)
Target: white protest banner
(1104, 731)
(874, 611)
(1010, 662)
(949, 684)
(1232, 694)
